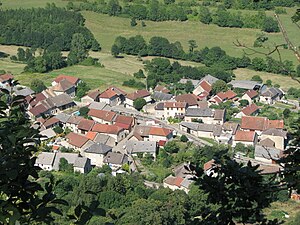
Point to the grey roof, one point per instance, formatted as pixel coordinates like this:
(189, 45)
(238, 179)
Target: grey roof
(115, 158)
(194, 82)
(160, 96)
(104, 139)
(141, 146)
(272, 92)
(45, 158)
(210, 79)
(245, 84)
(99, 106)
(159, 106)
(24, 91)
(61, 100)
(63, 117)
(49, 133)
(266, 152)
(187, 181)
(81, 162)
(219, 114)
(275, 132)
(216, 129)
(98, 148)
(70, 157)
(181, 170)
(199, 112)
(142, 130)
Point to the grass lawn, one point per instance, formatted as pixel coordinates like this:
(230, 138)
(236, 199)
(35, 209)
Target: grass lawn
(13, 4)
(285, 82)
(209, 140)
(282, 105)
(159, 172)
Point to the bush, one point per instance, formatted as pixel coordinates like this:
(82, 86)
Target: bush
(58, 130)
(37, 86)
(139, 103)
(84, 111)
(183, 138)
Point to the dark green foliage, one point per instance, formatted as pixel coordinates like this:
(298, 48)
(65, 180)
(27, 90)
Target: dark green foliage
(270, 25)
(172, 147)
(64, 149)
(205, 15)
(78, 50)
(239, 192)
(42, 27)
(37, 85)
(65, 166)
(24, 200)
(219, 86)
(134, 84)
(84, 111)
(189, 87)
(133, 22)
(230, 111)
(82, 89)
(139, 103)
(113, 7)
(58, 130)
(243, 102)
(115, 51)
(247, 150)
(294, 92)
(89, 61)
(140, 74)
(183, 138)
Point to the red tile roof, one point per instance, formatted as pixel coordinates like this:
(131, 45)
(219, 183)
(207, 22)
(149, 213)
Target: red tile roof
(76, 139)
(37, 110)
(86, 124)
(254, 123)
(226, 95)
(108, 94)
(162, 89)
(190, 99)
(208, 165)
(251, 93)
(159, 131)
(108, 129)
(51, 121)
(277, 124)
(6, 77)
(55, 147)
(124, 119)
(72, 80)
(175, 105)
(123, 125)
(94, 94)
(63, 86)
(174, 181)
(36, 99)
(161, 143)
(91, 135)
(102, 114)
(250, 109)
(205, 86)
(138, 94)
(245, 136)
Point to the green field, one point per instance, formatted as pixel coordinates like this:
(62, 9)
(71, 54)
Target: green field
(12, 4)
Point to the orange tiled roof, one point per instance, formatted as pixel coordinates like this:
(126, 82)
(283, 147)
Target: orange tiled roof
(245, 136)
(205, 86)
(71, 79)
(175, 104)
(250, 109)
(102, 114)
(76, 139)
(159, 131)
(108, 129)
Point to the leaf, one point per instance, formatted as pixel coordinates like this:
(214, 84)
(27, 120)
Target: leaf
(60, 202)
(78, 211)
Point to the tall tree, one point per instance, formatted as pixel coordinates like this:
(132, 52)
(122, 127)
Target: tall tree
(79, 50)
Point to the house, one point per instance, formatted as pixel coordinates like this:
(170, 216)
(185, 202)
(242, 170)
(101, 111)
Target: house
(34, 100)
(85, 126)
(51, 161)
(63, 118)
(104, 139)
(177, 183)
(45, 160)
(260, 124)
(210, 79)
(50, 122)
(72, 123)
(47, 134)
(161, 96)
(5, 79)
(130, 98)
(246, 84)
(201, 129)
(92, 96)
(102, 116)
(159, 110)
(190, 99)
(111, 130)
(206, 115)
(250, 95)
(141, 133)
(61, 102)
(174, 109)
(161, 89)
(222, 97)
(208, 167)
(248, 138)
(204, 88)
(143, 147)
(249, 110)
(23, 91)
(271, 95)
(126, 122)
(64, 86)
(278, 136)
(115, 160)
(112, 96)
(99, 106)
(194, 82)
(73, 80)
(267, 154)
(96, 153)
(78, 142)
(160, 134)
(38, 111)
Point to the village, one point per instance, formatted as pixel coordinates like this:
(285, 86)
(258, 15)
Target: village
(114, 133)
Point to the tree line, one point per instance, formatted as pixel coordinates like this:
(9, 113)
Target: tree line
(223, 18)
(255, 5)
(43, 27)
(214, 57)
